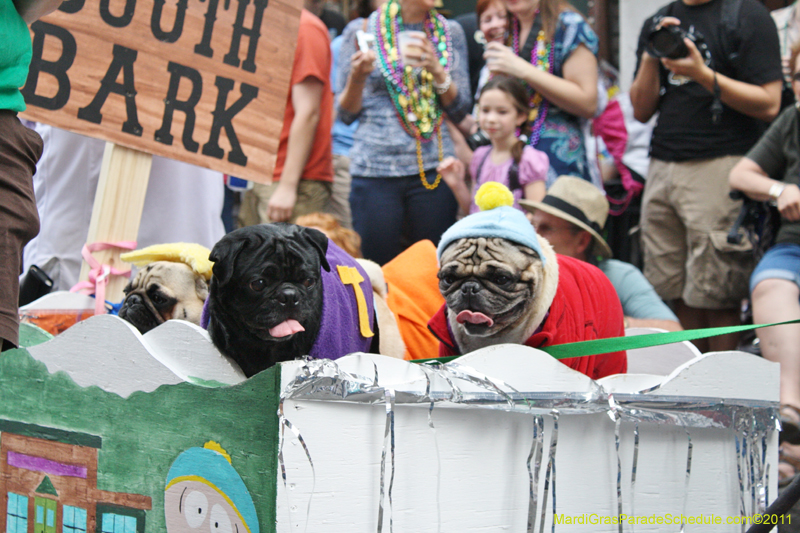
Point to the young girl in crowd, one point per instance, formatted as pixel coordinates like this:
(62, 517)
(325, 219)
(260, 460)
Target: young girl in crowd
(503, 111)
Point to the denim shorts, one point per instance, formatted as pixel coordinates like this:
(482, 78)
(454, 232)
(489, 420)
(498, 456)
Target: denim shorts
(782, 261)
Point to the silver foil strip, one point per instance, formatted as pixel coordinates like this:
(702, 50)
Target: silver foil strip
(535, 457)
(761, 467)
(739, 467)
(471, 375)
(551, 469)
(614, 415)
(323, 380)
(284, 423)
(689, 449)
(752, 467)
(388, 441)
(435, 366)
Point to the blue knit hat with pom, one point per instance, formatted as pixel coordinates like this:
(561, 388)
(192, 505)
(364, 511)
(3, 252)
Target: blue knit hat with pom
(497, 219)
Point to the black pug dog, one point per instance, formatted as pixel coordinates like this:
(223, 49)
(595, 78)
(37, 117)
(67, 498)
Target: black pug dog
(265, 297)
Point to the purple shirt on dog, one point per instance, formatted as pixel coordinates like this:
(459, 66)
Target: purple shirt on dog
(339, 332)
(340, 329)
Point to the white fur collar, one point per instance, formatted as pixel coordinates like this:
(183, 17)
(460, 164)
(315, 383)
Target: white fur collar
(545, 296)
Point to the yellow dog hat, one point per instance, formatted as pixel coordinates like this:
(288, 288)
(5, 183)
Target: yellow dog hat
(193, 255)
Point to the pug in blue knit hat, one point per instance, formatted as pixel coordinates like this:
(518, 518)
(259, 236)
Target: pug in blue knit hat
(497, 276)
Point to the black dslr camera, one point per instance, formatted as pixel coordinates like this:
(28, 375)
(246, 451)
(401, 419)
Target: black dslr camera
(667, 41)
(478, 139)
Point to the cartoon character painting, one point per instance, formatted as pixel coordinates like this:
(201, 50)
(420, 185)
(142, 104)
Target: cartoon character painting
(205, 493)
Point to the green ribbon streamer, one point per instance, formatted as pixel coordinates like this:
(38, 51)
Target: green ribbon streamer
(617, 344)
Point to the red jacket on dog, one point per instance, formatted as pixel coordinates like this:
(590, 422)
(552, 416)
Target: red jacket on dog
(585, 307)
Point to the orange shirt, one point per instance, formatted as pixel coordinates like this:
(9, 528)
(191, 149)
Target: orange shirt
(312, 58)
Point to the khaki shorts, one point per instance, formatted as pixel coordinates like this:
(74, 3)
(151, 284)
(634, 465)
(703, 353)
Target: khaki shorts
(686, 216)
(312, 197)
(339, 204)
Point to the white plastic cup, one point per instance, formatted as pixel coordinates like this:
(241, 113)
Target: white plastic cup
(408, 39)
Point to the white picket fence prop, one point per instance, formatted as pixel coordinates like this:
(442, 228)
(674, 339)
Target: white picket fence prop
(364, 451)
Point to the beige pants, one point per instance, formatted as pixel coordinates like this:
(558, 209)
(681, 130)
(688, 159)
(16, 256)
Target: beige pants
(686, 216)
(312, 197)
(339, 204)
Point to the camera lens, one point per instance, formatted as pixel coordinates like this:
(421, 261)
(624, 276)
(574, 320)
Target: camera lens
(668, 42)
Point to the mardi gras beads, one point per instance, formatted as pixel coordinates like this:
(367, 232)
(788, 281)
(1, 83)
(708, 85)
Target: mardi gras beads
(543, 58)
(412, 90)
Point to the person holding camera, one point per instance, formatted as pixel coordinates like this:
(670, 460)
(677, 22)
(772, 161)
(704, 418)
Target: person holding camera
(712, 70)
(396, 196)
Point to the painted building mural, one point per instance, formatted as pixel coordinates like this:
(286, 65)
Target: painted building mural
(80, 460)
(48, 484)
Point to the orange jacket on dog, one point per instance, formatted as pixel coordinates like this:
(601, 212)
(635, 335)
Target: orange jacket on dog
(414, 297)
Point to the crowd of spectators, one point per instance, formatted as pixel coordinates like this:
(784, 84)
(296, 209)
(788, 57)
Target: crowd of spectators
(393, 120)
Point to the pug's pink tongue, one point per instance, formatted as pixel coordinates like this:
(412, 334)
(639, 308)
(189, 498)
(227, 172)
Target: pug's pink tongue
(473, 318)
(286, 328)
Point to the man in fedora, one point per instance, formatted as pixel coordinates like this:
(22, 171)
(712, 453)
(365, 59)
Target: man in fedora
(571, 217)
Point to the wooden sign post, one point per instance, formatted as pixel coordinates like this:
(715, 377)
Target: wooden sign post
(199, 81)
(117, 210)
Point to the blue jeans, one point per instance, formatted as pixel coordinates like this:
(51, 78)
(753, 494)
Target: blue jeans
(782, 261)
(391, 214)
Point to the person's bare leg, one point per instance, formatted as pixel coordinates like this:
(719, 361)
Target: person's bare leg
(720, 318)
(692, 318)
(776, 300)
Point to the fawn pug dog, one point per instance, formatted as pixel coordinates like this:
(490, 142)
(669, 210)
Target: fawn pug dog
(496, 290)
(503, 284)
(161, 291)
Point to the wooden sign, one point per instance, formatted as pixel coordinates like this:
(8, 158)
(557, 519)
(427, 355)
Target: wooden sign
(200, 81)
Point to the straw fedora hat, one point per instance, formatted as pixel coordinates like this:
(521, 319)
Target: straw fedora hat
(579, 202)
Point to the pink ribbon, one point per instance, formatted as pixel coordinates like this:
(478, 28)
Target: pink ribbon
(99, 274)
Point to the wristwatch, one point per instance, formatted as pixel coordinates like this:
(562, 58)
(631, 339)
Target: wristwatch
(775, 192)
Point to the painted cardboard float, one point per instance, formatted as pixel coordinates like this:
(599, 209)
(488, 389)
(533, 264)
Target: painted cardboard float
(103, 429)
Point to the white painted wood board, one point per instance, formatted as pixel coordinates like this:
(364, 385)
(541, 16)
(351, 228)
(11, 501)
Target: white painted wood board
(108, 352)
(471, 474)
(660, 360)
(61, 300)
(105, 351)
